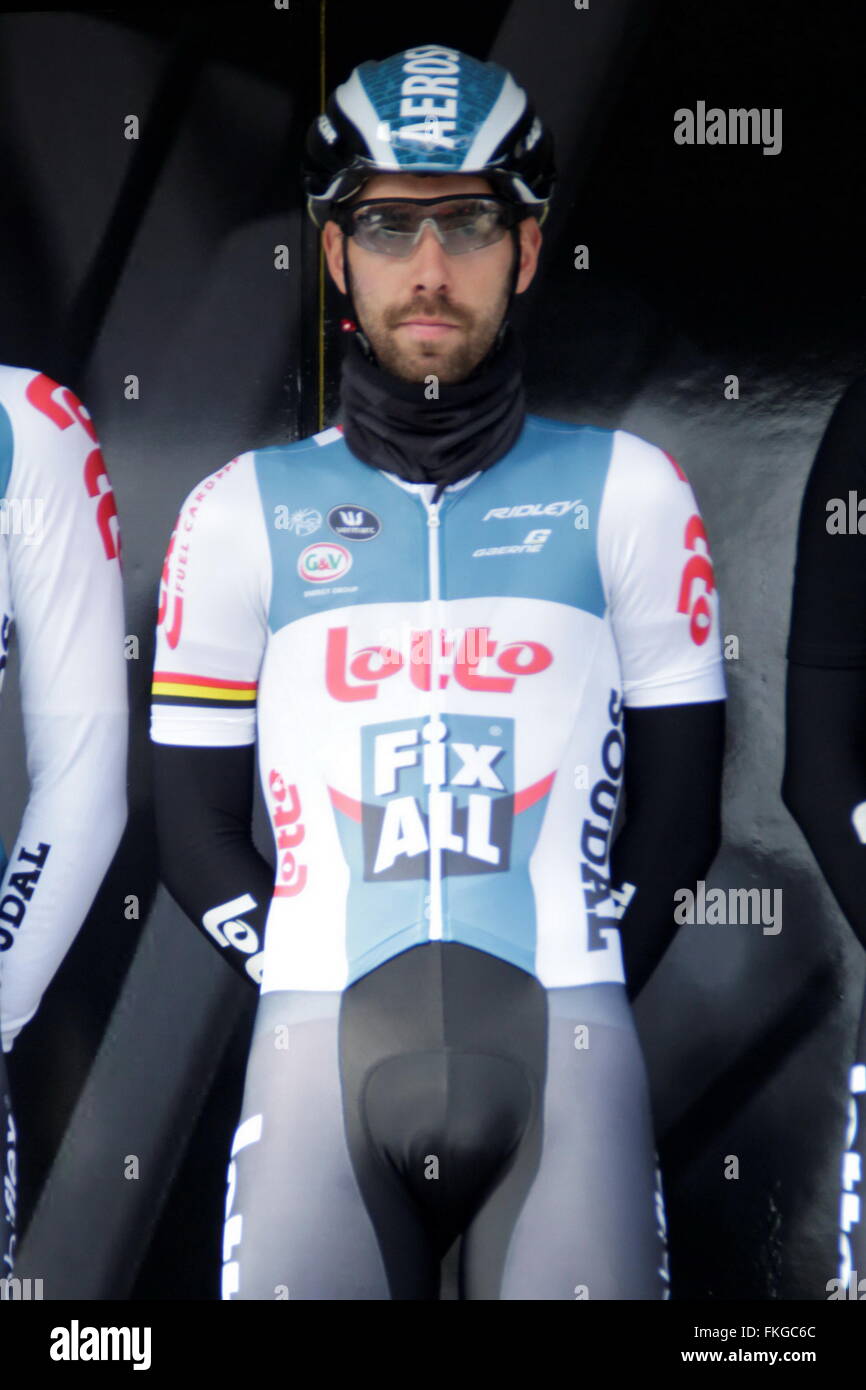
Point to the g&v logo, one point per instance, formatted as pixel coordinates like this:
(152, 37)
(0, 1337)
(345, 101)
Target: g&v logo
(474, 659)
(324, 561)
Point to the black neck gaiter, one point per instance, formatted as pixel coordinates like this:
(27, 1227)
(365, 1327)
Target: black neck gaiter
(388, 423)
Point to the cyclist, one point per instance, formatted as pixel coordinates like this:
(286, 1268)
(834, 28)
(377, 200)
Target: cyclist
(442, 620)
(60, 587)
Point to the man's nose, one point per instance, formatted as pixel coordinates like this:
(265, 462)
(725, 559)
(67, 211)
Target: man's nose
(430, 261)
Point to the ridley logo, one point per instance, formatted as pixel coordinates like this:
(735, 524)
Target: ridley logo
(323, 561)
(368, 666)
(532, 509)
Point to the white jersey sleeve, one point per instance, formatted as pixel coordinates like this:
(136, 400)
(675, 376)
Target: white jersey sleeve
(212, 623)
(658, 578)
(61, 588)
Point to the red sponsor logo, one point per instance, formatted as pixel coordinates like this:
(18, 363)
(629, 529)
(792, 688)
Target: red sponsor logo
(59, 405)
(172, 595)
(679, 472)
(323, 561)
(698, 569)
(359, 675)
(289, 832)
(173, 578)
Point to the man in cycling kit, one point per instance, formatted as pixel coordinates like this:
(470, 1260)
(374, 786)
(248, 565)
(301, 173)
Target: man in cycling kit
(60, 587)
(443, 620)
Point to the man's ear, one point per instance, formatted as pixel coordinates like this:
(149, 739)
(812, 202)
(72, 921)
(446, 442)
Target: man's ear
(332, 245)
(530, 247)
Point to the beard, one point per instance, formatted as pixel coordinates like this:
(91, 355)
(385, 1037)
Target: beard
(419, 358)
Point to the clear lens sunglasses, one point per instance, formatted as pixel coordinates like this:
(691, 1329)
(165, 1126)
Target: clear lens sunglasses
(394, 226)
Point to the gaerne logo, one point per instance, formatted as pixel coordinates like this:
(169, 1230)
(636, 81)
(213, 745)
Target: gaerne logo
(532, 509)
(354, 523)
(532, 543)
(478, 662)
(324, 561)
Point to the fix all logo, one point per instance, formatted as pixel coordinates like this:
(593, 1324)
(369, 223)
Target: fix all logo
(469, 656)
(354, 523)
(440, 784)
(324, 561)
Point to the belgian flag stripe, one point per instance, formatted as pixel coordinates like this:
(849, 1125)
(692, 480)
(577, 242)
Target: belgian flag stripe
(202, 689)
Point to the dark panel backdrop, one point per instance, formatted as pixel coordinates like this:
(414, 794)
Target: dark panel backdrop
(153, 258)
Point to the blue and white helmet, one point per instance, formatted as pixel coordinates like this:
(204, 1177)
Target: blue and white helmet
(429, 110)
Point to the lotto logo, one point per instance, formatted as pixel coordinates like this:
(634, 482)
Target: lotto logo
(62, 408)
(698, 569)
(289, 833)
(473, 654)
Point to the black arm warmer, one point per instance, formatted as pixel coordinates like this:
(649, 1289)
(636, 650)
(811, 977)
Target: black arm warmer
(203, 800)
(672, 831)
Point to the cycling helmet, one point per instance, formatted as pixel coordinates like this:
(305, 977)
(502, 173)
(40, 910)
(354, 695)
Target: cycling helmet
(429, 110)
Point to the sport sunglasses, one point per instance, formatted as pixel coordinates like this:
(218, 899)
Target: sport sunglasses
(394, 226)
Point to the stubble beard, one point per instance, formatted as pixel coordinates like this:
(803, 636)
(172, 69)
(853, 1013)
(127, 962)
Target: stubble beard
(418, 359)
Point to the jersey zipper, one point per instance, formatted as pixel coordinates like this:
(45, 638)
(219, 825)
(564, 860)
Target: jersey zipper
(436, 923)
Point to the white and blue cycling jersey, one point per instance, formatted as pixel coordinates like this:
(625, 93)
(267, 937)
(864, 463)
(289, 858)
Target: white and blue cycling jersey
(437, 688)
(60, 589)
